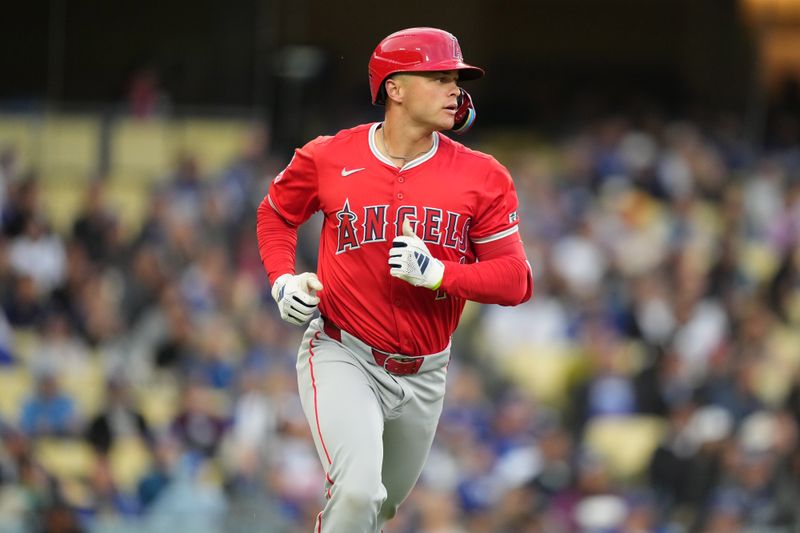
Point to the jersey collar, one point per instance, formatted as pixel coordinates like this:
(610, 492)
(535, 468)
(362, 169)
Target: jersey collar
(411, 164)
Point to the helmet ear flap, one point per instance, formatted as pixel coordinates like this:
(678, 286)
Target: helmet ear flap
(465, 113)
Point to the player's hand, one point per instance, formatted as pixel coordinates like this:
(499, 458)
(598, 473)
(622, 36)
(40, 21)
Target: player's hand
(411, 261)
(465, 113)
(297, 296)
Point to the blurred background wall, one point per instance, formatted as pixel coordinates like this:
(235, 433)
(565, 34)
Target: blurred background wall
(542, 55)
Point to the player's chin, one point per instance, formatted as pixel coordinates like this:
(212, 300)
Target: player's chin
(445, 122)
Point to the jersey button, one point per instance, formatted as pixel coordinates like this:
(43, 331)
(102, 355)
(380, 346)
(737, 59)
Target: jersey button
(399, 196)
(397, 302)
(401, 179)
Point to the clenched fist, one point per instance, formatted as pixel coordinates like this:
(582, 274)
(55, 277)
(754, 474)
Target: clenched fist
(411, 261)
(297, 296)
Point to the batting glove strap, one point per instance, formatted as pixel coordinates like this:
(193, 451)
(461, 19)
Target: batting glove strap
(411, 261)
(296, 296)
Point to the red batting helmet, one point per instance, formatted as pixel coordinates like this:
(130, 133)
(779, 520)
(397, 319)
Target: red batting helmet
(416, 50)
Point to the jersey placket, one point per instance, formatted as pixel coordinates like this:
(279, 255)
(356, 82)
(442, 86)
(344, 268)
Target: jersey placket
(398, 196)
(397, 287)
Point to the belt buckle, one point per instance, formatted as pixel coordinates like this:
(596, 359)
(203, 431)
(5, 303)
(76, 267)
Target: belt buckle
(400, 359)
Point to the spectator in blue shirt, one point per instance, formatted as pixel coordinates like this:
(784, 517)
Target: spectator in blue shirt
(49, 412)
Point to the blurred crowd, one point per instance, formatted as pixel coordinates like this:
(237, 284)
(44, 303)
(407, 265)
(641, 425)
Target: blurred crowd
(155, 387)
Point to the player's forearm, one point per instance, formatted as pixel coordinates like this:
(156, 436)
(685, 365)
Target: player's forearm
(277, 241)
(502, 279)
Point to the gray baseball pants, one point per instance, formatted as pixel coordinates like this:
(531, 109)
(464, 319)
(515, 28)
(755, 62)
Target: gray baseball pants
(372, 429)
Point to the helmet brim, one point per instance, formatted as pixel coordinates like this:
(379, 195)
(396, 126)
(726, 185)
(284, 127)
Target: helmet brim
(465, 72)
(468, 72)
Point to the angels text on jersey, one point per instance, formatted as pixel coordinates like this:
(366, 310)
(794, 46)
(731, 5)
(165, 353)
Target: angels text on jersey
(439, 227)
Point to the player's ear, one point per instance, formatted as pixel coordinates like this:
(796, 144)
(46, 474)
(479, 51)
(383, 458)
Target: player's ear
(394, 88)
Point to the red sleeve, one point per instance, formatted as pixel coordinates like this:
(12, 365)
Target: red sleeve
(277, 241)
(496, 215)
(292, 199)
(502, 274)
(294, 191)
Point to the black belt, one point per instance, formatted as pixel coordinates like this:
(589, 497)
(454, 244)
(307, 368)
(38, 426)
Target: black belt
(394, 364)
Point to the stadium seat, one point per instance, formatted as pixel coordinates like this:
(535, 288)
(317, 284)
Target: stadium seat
(25, 342)
(546, 372)
(18, 131)
(69, 147)
(626, 442)
(159, 403)
(16, 384)
(215, 142)
(130, 460)
(142, 148)
(65, 458)
(758, 261)
(129, 199)
(77, 493)
(86, 388)
(62, 199)
(775, 374)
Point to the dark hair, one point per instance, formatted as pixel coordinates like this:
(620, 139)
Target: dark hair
(380, 98)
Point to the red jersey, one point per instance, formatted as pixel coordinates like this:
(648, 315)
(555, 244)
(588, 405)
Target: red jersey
(459, 197)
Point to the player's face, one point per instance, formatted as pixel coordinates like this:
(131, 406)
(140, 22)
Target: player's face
(431, 98)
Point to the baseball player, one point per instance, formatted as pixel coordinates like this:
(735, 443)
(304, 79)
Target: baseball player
(414, 225)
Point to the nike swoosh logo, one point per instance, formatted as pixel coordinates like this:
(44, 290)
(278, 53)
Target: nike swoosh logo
(346, 172)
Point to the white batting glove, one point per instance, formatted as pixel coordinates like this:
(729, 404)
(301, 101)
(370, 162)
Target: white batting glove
(297, 296)
(411, 261)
